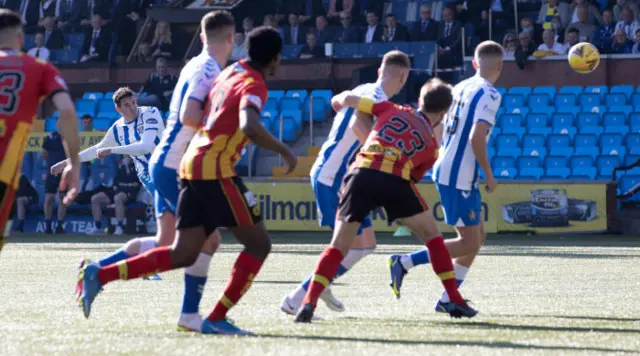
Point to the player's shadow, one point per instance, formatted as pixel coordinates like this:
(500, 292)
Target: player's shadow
(488, 344)
(587, 256)
(585, 329)
(571, 317)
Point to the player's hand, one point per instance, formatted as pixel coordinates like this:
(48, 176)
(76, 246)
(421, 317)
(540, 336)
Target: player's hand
(290, 160)
(57, 168)
(103, 152)
(70, 182)
(337, 102)
(491, 184)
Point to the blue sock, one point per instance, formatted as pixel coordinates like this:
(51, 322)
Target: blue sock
(113, 258)
(341, 270)
(193, 288)
(420, 257)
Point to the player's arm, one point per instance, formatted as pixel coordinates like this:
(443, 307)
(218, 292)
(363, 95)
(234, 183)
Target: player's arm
(67, 124)
(483, 121)
(146, 144)
(197, 92)
(361, 125)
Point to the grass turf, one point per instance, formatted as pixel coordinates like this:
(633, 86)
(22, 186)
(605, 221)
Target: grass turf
(536, 295)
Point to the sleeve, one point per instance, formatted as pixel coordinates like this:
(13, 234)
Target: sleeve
(52, 82)
(487, 107)
(144, 146)
(201, 82)
(108, 140)
(151, 120)
(367, 106)
(254, 95)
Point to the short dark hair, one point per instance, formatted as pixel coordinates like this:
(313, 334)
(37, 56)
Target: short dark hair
(263, 44)
(215, 23)
(121, 94)
(573, 30)
(396, 58)
(86, 116)
(9, 19)
(391, 15)
(435, 96)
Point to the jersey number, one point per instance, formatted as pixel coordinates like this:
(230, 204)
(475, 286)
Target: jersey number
(216, 100)
(453, 118)
(11, 82)
(398, 126)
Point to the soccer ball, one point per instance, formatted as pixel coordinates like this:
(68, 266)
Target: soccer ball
(584, 57)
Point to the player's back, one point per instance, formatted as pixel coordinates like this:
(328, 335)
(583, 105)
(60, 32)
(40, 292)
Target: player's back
(474, 99)
(219, 141)
(342, 144)
(24, 82)
(195, 82)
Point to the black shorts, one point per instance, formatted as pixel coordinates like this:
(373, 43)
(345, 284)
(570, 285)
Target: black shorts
(51, 184)
(364, 190)
(216, 203)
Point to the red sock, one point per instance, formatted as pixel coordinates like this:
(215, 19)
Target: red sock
(325, 271)
(443, 267)
(244, 271)
(153, 261)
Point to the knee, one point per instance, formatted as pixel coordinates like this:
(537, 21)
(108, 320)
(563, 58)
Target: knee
(212, 243)
(132, 247)
(261, 249)
(48, 199)
(183, 258)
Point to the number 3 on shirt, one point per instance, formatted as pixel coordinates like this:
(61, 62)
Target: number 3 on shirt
(398, 126)
(11, 82)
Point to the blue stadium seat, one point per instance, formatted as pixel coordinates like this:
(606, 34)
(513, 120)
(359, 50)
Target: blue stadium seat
(631, 158)
(634, 119)
(581, 161)
(627, 109)
(629, 181)
(527, 178)
(507, 141)
(538, 100)
(524, 91)
(603, 178)
(374, 49)
(590, 172)
(614, 119)
(564, 100)
(611, 140)
(632, 140)
(291, 51)
(607, 161)
(271, 104)
(569, 131)
(422, 48)
(399, 46)
(555, 162)
(74, 40)
(509, 152)
(627, 90)
(535, 172)
(299, 93)
(93, 95)
(614, 151)
(615, 99)
(510, 120)
(622, 130)
(635, 101)
(578, 178)
(500, 162)
(491, 152)
(320, 107)
(346, 50)
(561, 151)
(633, 172)
(86, 105)
(593, 151)
(289, 129)
(546, 110)
(296, 116)
(514, 130)
(562, 120)
(528, 162)
(517, 110)
(65, 56)
(288, 103)
(102, 176)
(597, 89)
(555, 140)
(275, 94)
(572, 89)
(326, 94)
(545, 131)
(558, 172)
(585, 140)
(589, 99)
(540, 152)
(536, 120)
(596, 109)
(106, 105)
(101, 124)
(573, 110)
(502, 91)
(551, 91)
(108, 95)
(505, 173)
(588, 119)
(532, 140)
(50, 125)
(511, 101)
(494, 134)
(593, 130)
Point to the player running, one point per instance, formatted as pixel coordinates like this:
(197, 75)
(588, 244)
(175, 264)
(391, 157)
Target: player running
(24, 82)
(466, 132)
(399, 150)
(332, 164)
(212, 194)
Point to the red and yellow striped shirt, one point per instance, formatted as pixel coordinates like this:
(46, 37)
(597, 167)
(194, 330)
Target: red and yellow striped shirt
(218, 144)
(24, 82)
(401, 142)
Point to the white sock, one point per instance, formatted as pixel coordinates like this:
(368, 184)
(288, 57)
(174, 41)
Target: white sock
(297, 296)
(200, 268)
(354, 255)
(461, 273)
(406, 262)
(147, 243)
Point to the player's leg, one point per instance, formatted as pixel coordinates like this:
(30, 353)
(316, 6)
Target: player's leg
(22, 203)
(61, 213)
(49, 198)
(7, 194)
(98, 200)
(120, 202)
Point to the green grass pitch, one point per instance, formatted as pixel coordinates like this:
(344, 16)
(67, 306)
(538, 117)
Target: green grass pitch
(536, 295)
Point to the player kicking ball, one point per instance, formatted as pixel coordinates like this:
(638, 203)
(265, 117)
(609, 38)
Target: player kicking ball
(399, 150)
(466, 130)
(212, 195)
(332, 164)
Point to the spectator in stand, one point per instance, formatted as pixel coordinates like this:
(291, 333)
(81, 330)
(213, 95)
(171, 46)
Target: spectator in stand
(549, 45)
(270, 20)
(86, 10)
(312, 49)
(67, 12)
(53, 37)
(162, 43)
(449, 40)
(337, 7)
(621, 44)
(583, 25)
(86, 121)
(309, 10)
(394, 31)
(124, 24)
(53, 152)
(525, 47)
(25, 196)
(239, 50)
(375, 6)
(556, 26)
(39, 51)
(509, 43)
(30, 11)
(292, 33)
(159, 86)
(124, 191)
(628, 24)
(13, 5)
(347, 33)
(636, 46)
(551, 10)
(247, 25)
(624, 4)
(324, 33)
(47, 8)
(426, 29)
(96, 42)
(527, 25)
(572, 38)
(374, 30)
(143, 54)
(604, 33)
(593, 14)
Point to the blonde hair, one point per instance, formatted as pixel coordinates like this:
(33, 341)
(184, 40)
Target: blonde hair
(159, 38)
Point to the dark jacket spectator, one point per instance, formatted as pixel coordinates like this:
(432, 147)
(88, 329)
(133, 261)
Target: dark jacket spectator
(30, 11)
(96, 41)
(449, 34)
(395, 32)
(308, 10)
(53, 37)
(426, 28)
(68, 13)
(162, 43)
(13, 5)
(525, 48)
(603, 35)
(347, 33)
(337, 7)
(469, 11)
(375, 6)
(621, 45)
(373, 32)
(312, 49)
(293, 32)
(324, 33)
(159, 86)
